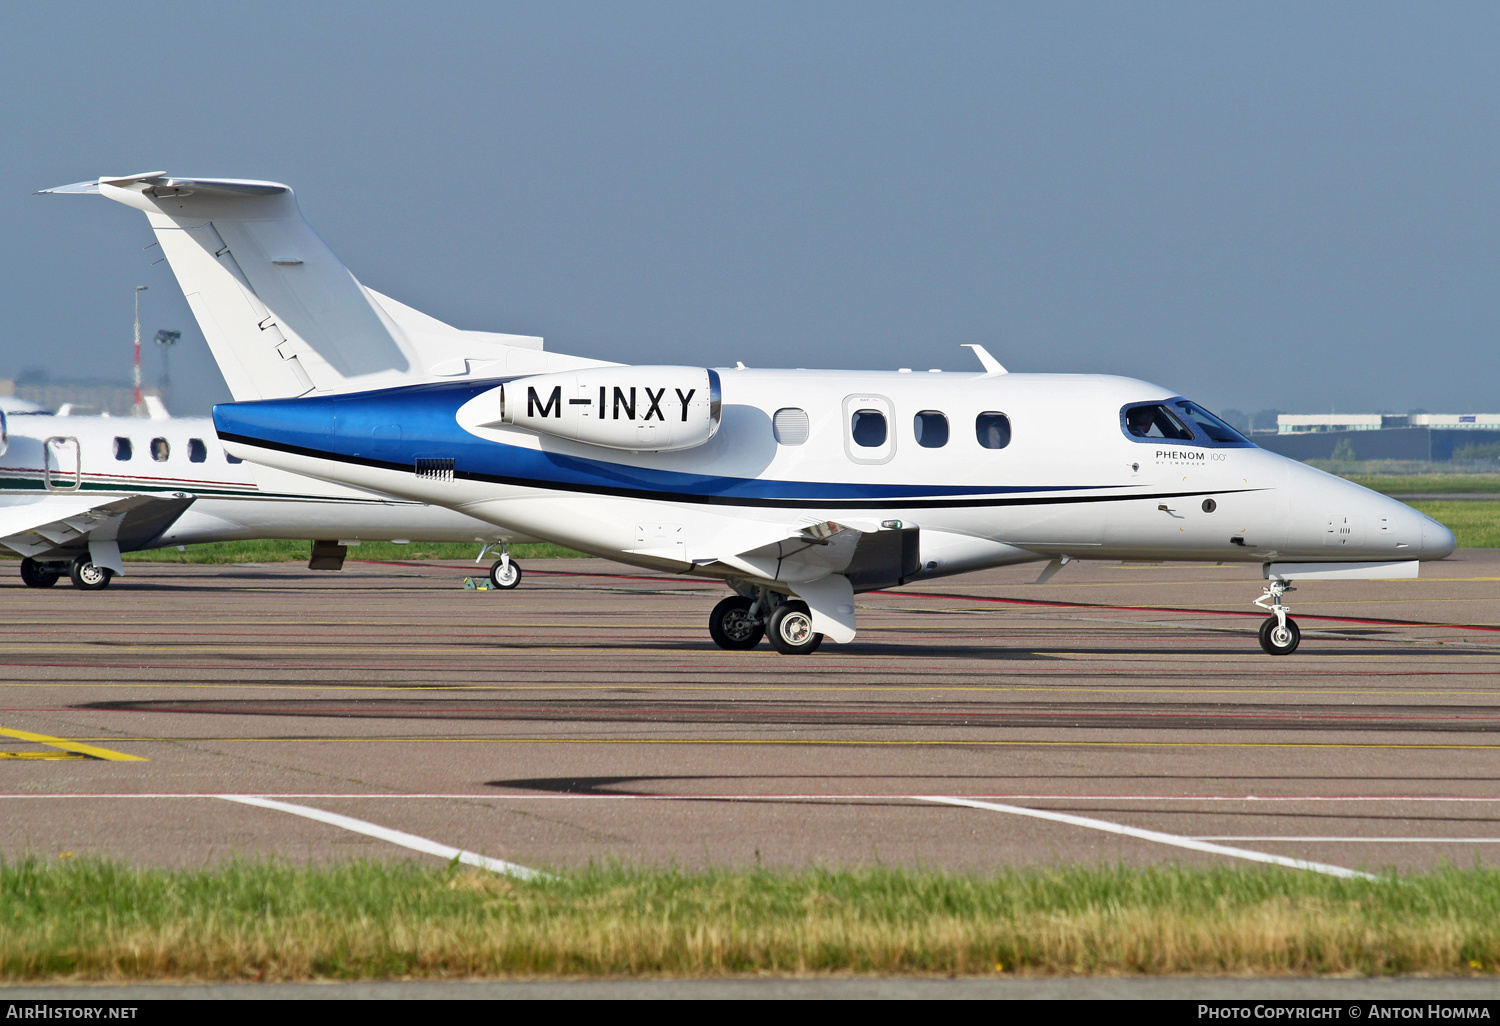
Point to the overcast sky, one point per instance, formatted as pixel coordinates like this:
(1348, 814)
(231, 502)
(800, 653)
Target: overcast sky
(1289, 205)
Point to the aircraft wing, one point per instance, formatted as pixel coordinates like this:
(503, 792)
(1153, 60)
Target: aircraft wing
(99, 522)
(825, 563)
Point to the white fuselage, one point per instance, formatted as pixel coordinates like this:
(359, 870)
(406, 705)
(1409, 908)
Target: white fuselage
(1070, 482)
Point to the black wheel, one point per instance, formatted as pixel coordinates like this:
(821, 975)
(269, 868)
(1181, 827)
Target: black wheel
(505, 574)
(791, 630)
(88, 576)
(35, 574)
(732, 627)
(1278, 641)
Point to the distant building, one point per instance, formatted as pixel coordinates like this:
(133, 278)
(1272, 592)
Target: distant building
(1380, 436)
(1303, 423)
(86, 396)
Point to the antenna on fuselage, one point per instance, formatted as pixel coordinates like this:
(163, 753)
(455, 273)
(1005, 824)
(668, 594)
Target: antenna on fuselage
(989, 363)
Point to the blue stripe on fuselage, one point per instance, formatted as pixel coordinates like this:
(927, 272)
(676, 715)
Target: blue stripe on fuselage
(346, 427)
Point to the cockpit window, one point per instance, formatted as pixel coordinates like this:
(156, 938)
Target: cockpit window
(1155, 420)
(1207, 424)
(1178, 420)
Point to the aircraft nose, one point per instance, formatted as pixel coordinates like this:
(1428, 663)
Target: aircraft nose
(1437, 540)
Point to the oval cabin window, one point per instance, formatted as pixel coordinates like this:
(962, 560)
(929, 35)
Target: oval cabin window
(197, 451)
(790, 426)
(123, 449)
(160, 450)
(993, 430)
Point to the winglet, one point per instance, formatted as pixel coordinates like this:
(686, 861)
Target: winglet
(988, 362)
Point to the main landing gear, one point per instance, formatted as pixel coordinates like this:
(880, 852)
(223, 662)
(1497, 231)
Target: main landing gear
(36, 574)
(1279, 635)
(738, 623)
(88, 576)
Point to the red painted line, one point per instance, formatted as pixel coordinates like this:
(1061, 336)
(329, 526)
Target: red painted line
(1175, 609)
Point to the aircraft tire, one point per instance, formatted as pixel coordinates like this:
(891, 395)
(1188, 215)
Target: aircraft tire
(1278, 642)
(731, 626)
(36, 574)
(503, 575)
(791, 630)
(89, 577)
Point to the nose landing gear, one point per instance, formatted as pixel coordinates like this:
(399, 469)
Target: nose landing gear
(1279, 635)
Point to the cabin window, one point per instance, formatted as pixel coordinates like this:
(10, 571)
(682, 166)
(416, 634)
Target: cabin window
(197, 451)
(931, 429)
(1154, 420)
(232, 459)
(868, 428)
(160, 450)
(123, 449)
(790, 426)
(992, 429)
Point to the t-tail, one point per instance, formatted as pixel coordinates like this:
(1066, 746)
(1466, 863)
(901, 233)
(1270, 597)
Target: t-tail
(283, 316)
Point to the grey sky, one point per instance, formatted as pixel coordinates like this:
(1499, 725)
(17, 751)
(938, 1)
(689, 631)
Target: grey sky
(1254, 204)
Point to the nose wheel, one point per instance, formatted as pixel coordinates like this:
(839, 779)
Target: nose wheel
(1279, 635)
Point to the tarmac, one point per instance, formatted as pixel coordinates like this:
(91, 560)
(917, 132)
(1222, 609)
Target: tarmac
(1118, 713)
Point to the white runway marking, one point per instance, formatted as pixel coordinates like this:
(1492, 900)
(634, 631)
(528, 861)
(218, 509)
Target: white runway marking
(405, 840)
(1151, 835)
(1367, 840)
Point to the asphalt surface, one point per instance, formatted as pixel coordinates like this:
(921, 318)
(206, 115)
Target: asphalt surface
(1120, 712)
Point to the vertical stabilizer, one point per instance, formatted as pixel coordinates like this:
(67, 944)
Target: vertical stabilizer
(282, 315)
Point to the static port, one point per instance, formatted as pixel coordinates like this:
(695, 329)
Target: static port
(1209, 505)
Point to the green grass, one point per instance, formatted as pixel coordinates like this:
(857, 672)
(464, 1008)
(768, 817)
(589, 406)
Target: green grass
(299, 551)
(1476, 523)
(370, 920)
(1416, 484)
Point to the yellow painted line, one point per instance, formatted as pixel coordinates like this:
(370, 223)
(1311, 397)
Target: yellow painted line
(804, 742)
(67, 745)
(313, 690)
(43, 756)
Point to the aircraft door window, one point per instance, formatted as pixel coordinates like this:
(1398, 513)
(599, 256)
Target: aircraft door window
(197, 451)
(1154, 421)
(790, 426)
(931, 429)
(160, 450)
(993, 429)
(123, 449)
(868, 437)
(868, 428)
(62, 470)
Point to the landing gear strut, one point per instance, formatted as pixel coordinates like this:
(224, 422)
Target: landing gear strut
(1279, 635)
(36, 574)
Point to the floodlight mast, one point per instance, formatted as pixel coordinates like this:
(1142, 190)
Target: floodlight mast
(137, 409)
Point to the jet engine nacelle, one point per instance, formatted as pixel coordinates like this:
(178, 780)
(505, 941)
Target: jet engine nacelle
(650, 409)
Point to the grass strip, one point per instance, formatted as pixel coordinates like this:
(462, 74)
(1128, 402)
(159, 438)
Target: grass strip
(277, 551)
(1417, 484)
(1475, 523)
(97, 920)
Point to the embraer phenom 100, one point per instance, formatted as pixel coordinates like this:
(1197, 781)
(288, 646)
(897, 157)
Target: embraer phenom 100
(798, 488)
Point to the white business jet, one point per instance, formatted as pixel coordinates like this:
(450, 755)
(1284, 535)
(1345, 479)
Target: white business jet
(77, 491)
(797, 488)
